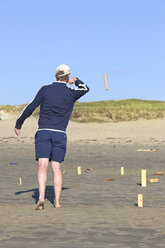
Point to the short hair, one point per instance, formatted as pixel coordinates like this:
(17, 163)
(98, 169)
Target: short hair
(62, 72)
(61, 77)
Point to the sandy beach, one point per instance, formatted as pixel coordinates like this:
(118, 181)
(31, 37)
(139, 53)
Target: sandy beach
(95, 212)
(141, 131)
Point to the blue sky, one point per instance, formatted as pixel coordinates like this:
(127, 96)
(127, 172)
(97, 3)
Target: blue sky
(123, 38)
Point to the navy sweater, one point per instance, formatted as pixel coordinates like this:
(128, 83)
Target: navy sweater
(56, 104)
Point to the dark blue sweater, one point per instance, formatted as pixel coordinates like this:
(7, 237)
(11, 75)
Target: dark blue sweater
(56, 104)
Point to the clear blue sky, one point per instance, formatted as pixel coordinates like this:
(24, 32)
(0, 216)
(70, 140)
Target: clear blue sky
(123, 38)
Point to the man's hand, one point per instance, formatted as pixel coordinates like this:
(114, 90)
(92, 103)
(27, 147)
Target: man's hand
(72, 80)
(17, 131)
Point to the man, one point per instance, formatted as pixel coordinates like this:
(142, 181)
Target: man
(56, 104)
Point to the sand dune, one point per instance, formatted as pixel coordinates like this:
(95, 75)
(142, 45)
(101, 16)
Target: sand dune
(134, 131)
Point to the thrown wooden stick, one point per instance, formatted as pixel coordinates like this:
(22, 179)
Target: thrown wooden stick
(105, 79)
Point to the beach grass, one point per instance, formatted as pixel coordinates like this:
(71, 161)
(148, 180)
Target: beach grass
(106, 111)
(116, 111)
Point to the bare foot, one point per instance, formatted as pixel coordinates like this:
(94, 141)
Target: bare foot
(57, 205)
(40, 205)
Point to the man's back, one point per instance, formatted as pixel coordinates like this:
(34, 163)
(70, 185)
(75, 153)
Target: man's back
(56, 104)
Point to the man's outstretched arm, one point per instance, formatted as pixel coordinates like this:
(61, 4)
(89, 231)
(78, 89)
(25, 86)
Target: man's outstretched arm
(28, 110)
(81, 90)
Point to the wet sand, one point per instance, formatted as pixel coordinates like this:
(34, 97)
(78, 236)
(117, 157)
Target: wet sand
(95, 212)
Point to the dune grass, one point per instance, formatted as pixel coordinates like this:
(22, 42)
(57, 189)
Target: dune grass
(107, 111)
(116, 111)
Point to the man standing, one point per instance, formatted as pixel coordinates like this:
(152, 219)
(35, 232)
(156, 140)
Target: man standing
(56, 104)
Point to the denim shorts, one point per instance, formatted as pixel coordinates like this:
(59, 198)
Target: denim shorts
(51, 145)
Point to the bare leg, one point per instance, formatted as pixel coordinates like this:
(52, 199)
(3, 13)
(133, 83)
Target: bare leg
(56, 167)
(42, 176)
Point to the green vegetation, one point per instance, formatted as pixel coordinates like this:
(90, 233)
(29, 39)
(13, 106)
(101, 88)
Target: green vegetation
(107, 111)
(116, 111)
(16, 110)
(10, 109)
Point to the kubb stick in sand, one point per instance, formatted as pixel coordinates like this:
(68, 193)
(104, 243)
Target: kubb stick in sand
(143, 178)
(122, 171)
(105, 79)
(79, 170)
(20, 181)
(140, 200)
(159, 173)
(153, 180)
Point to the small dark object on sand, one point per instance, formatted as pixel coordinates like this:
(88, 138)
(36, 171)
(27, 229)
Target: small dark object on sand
(110, 179)
(159, 173)
(13, 163)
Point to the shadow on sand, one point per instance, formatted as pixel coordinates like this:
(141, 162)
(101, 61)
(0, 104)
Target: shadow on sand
(49, 193)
